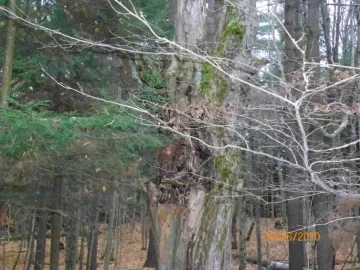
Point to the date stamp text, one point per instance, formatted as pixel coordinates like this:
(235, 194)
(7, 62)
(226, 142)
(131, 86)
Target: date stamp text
(292, 236)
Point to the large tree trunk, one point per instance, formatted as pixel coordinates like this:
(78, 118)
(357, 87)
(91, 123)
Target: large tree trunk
(193, 229)
(183, 235)
(321, 202)
(294, 206)
(9, 56)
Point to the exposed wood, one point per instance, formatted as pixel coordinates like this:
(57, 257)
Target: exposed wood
(193, 229)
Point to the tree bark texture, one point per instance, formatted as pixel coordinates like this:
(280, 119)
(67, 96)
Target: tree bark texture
(357, 64)
(234, 244)
(56, 224)
(194, 232)
(242, 232)
(324, 248)
(312, 48)
(295, 223)
(151, 258)
(9, 56)
(326, 28)
(184, 238)
(109, 242)
(41, 240)
(30, 250)
(72, 239)
(290, 49)
(93, 235)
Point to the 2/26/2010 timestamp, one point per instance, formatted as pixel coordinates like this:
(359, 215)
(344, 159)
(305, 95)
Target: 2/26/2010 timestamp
(292, 236)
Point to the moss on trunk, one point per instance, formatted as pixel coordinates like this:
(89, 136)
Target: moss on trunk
(9, 56)
(196, 234)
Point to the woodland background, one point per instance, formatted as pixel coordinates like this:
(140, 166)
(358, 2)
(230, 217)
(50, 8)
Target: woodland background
(162, 133)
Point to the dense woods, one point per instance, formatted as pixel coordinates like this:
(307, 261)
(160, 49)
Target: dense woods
(180, 134)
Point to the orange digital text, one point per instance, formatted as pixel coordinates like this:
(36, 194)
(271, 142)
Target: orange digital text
(292, 236)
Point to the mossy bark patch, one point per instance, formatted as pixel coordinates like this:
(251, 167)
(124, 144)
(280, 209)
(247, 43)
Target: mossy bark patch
(213, 86)
(232, 35)
(234, 29)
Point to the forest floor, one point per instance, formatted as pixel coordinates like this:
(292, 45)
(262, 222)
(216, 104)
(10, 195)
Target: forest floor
(133, 257)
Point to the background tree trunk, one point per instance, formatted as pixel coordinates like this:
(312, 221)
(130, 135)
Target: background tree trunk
(41, 240)
(326, 28)
(9, 56)
(258, 235)
(357, 64)
(56, 224)
(30, 249)
(290, 49)
(109, 242)
(295, 222)
(242, 232)
(324, 248)
(234, 244)
(321, 202)
(93, 234)
(82, 246)
(72, 250)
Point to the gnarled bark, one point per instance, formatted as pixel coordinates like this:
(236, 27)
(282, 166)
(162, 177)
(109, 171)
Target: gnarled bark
(192, 228)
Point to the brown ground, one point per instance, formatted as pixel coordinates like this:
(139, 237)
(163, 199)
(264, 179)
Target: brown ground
(133, 257)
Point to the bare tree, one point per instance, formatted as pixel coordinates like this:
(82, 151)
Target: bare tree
(225, 30)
